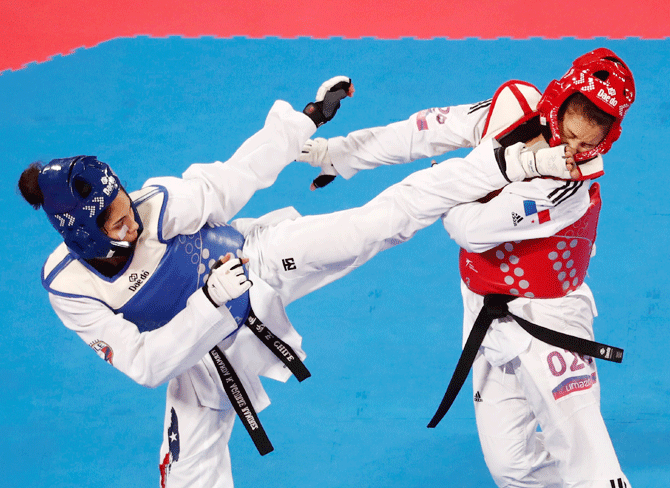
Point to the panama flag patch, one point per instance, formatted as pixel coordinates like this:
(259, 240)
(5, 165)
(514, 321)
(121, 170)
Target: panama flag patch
(530, 208)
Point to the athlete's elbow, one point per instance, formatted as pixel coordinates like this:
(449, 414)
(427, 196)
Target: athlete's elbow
(145, 381)
(466, 240)
(471, 240)
(474, 246)
(152, 384)
(478, 247)
(148, 379)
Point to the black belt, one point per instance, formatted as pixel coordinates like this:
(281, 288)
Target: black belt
(495, 307)
(278, 347)
(233, 387)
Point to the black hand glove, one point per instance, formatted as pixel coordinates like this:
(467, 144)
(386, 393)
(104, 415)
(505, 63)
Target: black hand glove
(321, 181)
(315, 153)
(328, 99)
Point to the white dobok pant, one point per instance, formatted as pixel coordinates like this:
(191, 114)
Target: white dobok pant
(538, 414)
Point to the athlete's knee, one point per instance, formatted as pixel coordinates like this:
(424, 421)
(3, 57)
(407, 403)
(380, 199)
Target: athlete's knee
(508, 473)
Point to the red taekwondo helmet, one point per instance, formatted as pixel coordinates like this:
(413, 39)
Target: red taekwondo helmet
(605, 80)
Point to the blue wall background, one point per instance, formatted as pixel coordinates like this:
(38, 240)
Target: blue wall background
(382, 342)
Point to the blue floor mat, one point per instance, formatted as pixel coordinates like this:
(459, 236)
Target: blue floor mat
(380, 363)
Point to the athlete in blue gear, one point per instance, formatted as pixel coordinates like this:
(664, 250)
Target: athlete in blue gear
(154, 281)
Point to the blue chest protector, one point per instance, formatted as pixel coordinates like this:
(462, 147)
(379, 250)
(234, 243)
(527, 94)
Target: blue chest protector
(182, 270)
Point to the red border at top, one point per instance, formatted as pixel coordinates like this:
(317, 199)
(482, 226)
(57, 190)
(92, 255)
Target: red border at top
(34, 30)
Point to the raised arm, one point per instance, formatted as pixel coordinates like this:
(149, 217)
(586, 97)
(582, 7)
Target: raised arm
(522, 211)
(429, 133)
(214, 193)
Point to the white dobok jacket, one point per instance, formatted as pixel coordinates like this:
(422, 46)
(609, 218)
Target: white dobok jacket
(175, 210)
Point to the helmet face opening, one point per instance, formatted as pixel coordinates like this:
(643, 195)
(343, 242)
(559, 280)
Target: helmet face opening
(605, 80)
(76, 192)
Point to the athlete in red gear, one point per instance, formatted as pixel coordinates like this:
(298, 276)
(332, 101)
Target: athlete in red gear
(537, 406)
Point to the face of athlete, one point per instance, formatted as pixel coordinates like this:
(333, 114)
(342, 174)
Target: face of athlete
(580, 133)
(121, 224)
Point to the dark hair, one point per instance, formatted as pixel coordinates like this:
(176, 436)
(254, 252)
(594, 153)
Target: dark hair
(29, 187)
(583, 106)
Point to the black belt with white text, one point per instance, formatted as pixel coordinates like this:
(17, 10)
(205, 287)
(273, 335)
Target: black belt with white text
(233, 387)
(495, 307)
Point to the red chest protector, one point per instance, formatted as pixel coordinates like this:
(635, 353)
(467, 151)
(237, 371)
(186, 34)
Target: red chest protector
(538, 268)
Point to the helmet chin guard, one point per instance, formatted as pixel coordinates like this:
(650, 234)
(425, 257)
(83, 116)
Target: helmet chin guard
(76, 191)
(605, 80)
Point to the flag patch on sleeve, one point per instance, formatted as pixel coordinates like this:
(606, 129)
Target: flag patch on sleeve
(544, 216)
(529, 207)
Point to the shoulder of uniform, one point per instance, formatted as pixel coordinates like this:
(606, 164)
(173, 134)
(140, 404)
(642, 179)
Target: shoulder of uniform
(147, 192)
(512, 103)
(56, 261)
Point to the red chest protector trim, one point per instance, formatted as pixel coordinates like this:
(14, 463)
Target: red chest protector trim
(537, 268)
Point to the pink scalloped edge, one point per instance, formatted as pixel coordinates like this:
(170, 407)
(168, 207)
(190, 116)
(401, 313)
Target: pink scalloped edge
(41, 30)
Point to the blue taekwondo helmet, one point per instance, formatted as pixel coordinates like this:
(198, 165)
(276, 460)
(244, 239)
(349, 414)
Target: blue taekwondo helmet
(76, 191)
